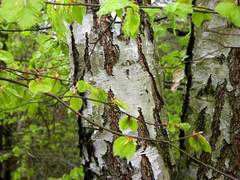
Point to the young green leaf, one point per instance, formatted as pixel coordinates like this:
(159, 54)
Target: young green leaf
(99, 95)
(128, 123)
(124, 147)
(77, 13)
(6, 56)
(184, 126)
(178, 9)
(171, 127)
(120, 104)
(42, 85)
(131, 23)
(194, 143)
(26, 13)
(77, 173)
(83, 86)
(225, 8)
(204, 143)
(112, 5)
(76, 103)
(67, 94)
(198, 18)
(235, 16)
(57, 16)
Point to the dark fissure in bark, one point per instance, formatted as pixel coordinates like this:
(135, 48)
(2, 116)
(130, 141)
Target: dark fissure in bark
(86, 54)
(230, 153)
(201, 122)
(159, 102)
(146, 25)
(85, 143)
(115, 168)
(142, 129)
(188, 74)
(208, 89)
(215, 127)
(75, 58)
(234, 77)
(146, 167)
(111, 51)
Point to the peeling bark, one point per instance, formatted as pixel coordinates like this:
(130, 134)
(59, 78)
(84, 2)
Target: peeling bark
(111, 51)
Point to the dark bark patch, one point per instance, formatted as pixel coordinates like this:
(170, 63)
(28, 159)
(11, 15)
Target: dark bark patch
(146, 168)
(75, 58)
(86, 54)
(111, 51)
(219, 103)
(201, 121)
(215, 127)
(142, 129)
(208, 89)
(113, 113)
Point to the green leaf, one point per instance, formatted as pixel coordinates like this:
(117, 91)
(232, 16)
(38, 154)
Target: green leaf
(120, 104)
(124, 147)
(83, 86)
(56, 87)
(16, 151)
(99, 95)
(131, 23)
(204, 143)
(66, 177)
(171, 127)
(6, 56)
(77, 13)
(198, 143)
(112, 5)
(225, 8)
(194, 143)
(229, 10)
(151, 13)
(235, 16)
(184, 126)
(57, 16)
(128, 123)
(76, 103)
(178, 9)
(67, 94)
(41, 85)
(77, 173)
(25, 13)
(198, 18)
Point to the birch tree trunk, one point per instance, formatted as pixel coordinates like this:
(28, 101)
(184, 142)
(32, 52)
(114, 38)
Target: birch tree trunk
(126, 69)
(211, 102)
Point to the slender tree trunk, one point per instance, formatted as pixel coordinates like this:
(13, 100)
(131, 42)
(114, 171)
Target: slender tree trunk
(211, 102)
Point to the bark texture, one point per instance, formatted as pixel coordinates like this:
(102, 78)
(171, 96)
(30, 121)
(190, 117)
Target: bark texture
(125, 69)
(214, 98)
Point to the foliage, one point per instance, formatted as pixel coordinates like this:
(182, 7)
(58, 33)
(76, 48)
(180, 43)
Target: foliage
(229, 10)
(124, 146)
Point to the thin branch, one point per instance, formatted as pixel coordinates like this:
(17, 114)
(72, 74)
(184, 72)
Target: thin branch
(36, 74)
(26, 30)
(195, 8)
